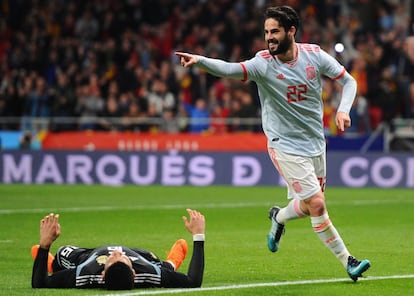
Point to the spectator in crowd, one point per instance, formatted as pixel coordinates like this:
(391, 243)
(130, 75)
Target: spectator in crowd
(407, 78)
(135, 118)
(153, 119)
(90, 104)
(160, 97)
(328, 94)
(169, 123)
(110, 116)
(248, 110)
(64, 100)
(37, 104)
(182, 114)
(386, 94)
(198, 115)
(235, 116)
(87, 27)
(218, 120)
(12, 102)
(25, 141)
(359, 115)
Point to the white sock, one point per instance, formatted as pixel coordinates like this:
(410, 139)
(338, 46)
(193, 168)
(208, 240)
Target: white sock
(290, 212)
(328, 234)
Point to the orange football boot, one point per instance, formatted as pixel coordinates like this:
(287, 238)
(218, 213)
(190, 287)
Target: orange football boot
(178, 253)
(50, 258)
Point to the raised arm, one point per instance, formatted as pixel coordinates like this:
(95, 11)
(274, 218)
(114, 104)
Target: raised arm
(49, 232)
(215, 67)
(196, 226)
(194, 277)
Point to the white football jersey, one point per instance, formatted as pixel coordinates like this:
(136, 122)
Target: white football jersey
(290, 96)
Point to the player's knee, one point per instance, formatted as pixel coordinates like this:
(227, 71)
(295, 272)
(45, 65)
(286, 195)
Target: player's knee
(316, 204)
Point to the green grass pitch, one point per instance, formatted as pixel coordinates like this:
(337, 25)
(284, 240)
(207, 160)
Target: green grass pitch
(377, 224)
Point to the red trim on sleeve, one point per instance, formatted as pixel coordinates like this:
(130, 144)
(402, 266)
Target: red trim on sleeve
(340, 75)
(244, 71)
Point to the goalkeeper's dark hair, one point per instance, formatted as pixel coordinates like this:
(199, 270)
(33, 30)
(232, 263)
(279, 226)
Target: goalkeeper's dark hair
(119, 276)
(285, 15)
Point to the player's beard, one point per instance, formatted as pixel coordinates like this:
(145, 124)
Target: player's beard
(282, 46)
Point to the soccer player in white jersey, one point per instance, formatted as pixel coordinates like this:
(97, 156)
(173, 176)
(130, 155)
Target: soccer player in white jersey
(288, 77)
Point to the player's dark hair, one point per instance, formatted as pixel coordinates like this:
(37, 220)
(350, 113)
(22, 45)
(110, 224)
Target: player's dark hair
(119, 276)
(285, 15)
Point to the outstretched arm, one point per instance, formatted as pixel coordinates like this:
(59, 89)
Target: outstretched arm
(49, 232)
(215, 67)
(196, 225)
(171, 279)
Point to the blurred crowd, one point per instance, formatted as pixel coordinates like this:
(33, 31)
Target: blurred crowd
(110, 64)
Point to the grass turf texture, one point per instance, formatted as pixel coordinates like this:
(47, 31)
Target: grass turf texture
(375, 223)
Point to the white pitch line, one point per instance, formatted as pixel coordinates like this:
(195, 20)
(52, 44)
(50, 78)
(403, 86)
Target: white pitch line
(181, 206)
(146, 207)
(246, 286)
(6, 241)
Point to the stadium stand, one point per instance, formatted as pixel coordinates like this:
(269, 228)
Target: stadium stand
(108, 65)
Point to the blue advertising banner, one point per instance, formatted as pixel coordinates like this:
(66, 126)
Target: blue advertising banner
(194, 168)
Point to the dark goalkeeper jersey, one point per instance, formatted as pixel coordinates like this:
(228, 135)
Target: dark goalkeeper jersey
(76, 267)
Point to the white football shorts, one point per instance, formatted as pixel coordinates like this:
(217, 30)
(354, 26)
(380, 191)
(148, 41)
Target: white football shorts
(304, 176)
